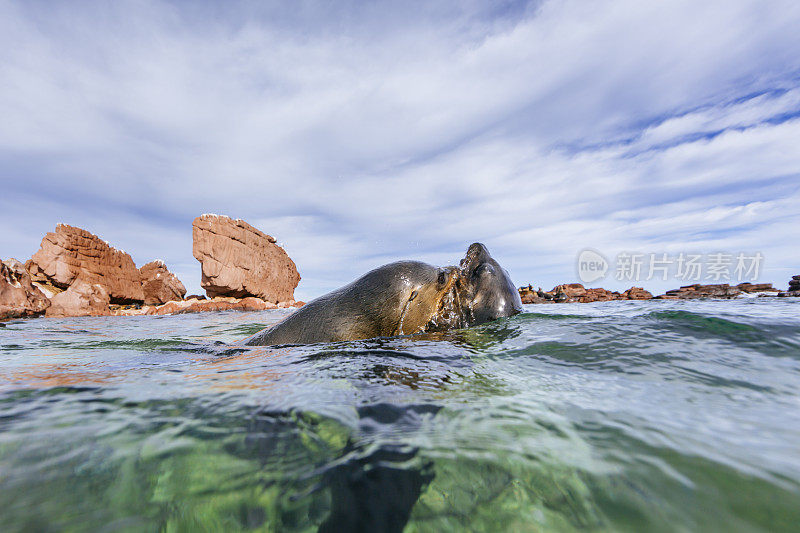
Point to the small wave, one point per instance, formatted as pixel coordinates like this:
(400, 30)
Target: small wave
(552, 316)
(771, 339)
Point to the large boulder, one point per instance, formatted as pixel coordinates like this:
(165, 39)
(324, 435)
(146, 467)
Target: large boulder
(80, 299)
(159, 284)
(70, 253)
(18, 296)
(238, 260)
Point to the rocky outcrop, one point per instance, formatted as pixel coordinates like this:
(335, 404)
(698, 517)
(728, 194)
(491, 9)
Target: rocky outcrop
(721, 290)
(80, 299)
(575, 292)
(794, 288)
(637, 293)
(215, 304)
(751, 288)
(691, 292)
(18, 295)
(70, 253)
(159, 284)
(598, 295)
(238, 260)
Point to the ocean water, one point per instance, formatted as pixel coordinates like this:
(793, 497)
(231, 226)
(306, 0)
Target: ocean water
(616, 416)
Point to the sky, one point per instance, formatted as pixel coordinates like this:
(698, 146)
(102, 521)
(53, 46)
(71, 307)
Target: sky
(360, 133)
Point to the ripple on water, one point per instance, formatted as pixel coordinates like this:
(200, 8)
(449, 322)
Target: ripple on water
(620, 416)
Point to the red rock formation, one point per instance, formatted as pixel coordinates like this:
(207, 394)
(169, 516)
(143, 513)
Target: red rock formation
(159, 284)
(756, 287)
(575, 292)
(571, 290)
(637, 293)
(600, 295)
(18, 296)
(80, 299)
(70, 253)
(530, 296)
(690, 292)
(238, 260)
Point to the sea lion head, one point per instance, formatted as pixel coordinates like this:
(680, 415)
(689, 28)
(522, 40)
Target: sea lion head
(429, 299)
(485, 290)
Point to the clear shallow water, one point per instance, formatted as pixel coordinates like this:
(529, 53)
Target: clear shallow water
(659, 416)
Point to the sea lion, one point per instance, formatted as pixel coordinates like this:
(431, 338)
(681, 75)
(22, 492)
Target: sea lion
(485, 289)
(402, 298)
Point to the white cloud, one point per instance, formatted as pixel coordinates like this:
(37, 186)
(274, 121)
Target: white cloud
(358, 135)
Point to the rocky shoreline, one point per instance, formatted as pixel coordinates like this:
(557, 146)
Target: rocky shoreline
(76, 273)
(576, 292)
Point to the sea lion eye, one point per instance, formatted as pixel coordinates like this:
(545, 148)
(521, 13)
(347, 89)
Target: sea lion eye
(483, 268)
(442, 277)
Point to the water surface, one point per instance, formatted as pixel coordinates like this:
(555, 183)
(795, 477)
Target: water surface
(615, 416)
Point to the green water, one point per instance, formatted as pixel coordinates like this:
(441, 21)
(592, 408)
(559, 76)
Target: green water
(619, 416)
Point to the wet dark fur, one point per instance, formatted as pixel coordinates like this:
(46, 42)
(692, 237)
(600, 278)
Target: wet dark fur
(374, 304)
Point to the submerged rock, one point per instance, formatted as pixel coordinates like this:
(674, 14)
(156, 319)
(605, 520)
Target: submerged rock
(71, 253)
(19, 297)
(159, 284)
(238, 260)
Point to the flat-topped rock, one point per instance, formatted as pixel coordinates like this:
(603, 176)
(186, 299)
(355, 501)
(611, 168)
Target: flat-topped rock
(70, 253)
(159, 284)
(751, 288)
(18, 295)
(690, 292)
(238, 260)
